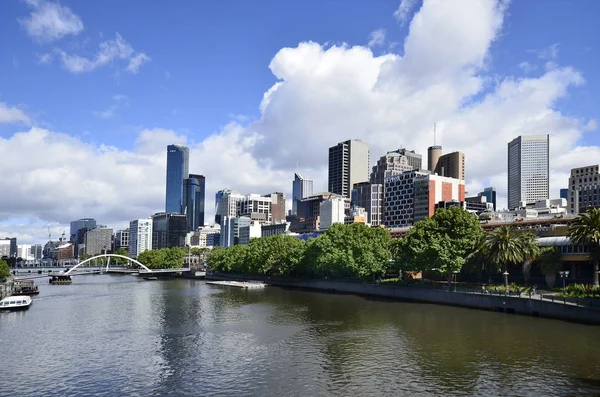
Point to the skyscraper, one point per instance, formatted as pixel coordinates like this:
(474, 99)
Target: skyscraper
(301, 188)
(348, 164)
(194, 189)
(528, 169)
(177, 171)
(395, 163)
(490, 195)
(584, 189)
(451, 165)
(140, 236)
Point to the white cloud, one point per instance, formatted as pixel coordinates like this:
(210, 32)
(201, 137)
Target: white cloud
(50, 21)
(549, 53)
(528, 67)
(44, 58)
(12, 115)
(404, 9)
(376, 38)
(119, 101)
(109, 51)
(136, 62)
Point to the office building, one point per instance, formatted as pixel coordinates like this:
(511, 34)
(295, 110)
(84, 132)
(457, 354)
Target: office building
(194, 189)
(205, 237)
(230, 230)
(433, 156)
(140, 236)
(348, 165)
(301, 188)
(226, 204)
(308, 219)
(395, 163)
(370, 197)
(25, 252)
(451, 165)
(98, 241)
(331, 210)
(528, 170)
(490, 196)
(277, 207)
(564, 193)
(8, 248)
(169, 230)
(430, 190)
(399, 199)
(87, 223)
(356, 215)
(121, 240)
(248, 232)
(274, 229)
(177, 172)
(256, 207)
(584, 189)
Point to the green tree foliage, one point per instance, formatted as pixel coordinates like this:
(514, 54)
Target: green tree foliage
(550, 263)
(343, 251)
(442, 242)
(531, 252)
(120, 261)
(585, 229)
(4, 270)
(165, 258)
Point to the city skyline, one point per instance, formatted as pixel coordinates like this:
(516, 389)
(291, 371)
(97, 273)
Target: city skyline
(103, 155)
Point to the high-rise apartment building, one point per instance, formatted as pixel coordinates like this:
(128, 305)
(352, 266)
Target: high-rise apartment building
(301, 188)
(140, 236)
(528, 169)
(370, 197)
(277, 207)
(400, 199)
(490, 196)
(348, 165)
(194, 189)
(98, 241)
(395, 163)
(177, 171)
(584, 189)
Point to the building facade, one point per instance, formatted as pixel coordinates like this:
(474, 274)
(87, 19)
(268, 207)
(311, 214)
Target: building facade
(205, 237)
(169, 230)
(430, 190)
(301, 188)
(277, 207)
(274, 229)
(584, 189)
(370, 197)
(177, 171)
(348, 165)
(256, 207)
(399, 199)
(122, 240)
(98, 241)
(248, 232)
(490, 196)
(230, 229)
(194, 191)
(331, 211)
(528, 169)
(395, 163)
(8, 247)
(140, 236)
(451, 165)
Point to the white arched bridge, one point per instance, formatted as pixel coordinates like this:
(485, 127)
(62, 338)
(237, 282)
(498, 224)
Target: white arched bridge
(140, 264)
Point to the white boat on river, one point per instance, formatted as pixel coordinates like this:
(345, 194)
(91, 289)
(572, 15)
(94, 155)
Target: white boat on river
(16, 302)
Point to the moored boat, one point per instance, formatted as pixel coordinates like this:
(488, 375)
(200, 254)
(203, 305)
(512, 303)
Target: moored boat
(60, 279)
(26, 287)
(15, 302)
(151, 278)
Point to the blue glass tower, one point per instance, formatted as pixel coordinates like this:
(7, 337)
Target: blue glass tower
(194, 187)
(177, 171)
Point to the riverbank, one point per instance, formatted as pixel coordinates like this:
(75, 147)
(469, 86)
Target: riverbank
(537, 307)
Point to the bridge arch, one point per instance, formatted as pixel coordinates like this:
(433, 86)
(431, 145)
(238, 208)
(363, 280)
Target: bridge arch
(108, 256)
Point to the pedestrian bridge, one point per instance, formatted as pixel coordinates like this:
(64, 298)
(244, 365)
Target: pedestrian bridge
(143, 268)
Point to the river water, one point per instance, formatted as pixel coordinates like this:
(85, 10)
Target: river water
(111, 335)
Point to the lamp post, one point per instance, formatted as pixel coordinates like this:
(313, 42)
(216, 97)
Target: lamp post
(564, 274)
(505, 274)
(455, 275)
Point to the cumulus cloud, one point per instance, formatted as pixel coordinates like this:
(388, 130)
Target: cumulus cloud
(12, 115)
(376, 38)
(109, 52)
(50, 21)
(44, 58)
(404, 9)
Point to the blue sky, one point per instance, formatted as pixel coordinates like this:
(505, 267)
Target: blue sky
(206, 64)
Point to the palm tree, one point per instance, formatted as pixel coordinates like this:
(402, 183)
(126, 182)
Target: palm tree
(585, 229)
(505, 245)
(531, 251)
(550, 264)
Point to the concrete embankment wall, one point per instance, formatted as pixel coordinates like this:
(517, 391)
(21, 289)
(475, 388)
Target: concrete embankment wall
(532, 307)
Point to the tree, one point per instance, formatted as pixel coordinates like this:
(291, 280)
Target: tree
(120, 261)
(506, 245)
(585, 229)
(4, 270)
(442, 242)
(531, 251)
(550, 264)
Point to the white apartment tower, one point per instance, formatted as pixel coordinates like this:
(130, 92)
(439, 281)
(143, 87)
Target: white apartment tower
(140, 236)
(528, 169)
(348, 164)
(332, 211)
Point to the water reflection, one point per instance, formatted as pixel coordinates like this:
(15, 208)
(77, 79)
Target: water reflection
(184, 337)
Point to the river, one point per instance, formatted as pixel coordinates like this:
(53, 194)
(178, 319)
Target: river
(111, 335)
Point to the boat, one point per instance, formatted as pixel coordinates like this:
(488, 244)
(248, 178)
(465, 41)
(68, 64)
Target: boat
(60, 279)
(15, 302)
(150, 278)
(26, 287)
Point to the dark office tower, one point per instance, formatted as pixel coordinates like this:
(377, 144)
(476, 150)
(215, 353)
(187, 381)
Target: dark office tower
(194, 188)
(177, 171)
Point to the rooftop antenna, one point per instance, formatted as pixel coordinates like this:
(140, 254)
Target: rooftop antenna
(434, 140)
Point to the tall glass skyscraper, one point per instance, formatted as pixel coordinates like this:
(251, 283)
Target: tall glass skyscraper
(177, 171)
(301, 188)
(528, 169)
(194, 188)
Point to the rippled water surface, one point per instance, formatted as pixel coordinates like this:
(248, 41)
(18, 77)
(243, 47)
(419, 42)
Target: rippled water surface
(120, 335)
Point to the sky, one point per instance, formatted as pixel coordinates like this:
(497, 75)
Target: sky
(91, 93)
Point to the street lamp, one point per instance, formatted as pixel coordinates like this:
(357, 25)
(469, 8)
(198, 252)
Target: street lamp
(505, 274)
(455, 274)
(564, 274)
